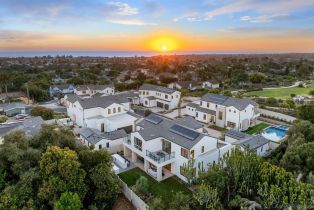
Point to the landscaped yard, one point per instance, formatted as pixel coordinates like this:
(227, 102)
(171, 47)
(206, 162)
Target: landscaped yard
(256, 128)
(281, 92)
(165, 189)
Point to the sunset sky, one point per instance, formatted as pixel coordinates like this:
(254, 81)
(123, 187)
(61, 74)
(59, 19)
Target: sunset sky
(159, 25)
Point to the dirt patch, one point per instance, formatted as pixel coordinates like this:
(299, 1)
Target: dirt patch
(123, 204)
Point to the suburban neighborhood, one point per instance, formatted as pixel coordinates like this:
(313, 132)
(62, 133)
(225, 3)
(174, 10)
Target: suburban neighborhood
(160, 137)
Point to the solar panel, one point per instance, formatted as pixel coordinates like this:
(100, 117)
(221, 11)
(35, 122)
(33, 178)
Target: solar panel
(153, 119)
(185, 132)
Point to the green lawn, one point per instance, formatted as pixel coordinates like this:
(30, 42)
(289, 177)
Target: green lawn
(281, 92)
(164, 189)
(256, 128)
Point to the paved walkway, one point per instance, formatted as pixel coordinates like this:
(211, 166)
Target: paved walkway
(213, 132)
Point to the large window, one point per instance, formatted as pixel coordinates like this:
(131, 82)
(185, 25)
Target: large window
(184, 153)
(138, 143)
(192, 154)
(231, 124)
(220, 115)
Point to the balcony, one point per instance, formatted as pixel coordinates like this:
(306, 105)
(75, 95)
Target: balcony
(138, 147)
(127, 140)
(160, 156)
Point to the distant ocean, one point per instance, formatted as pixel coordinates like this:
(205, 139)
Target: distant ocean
(107, 53)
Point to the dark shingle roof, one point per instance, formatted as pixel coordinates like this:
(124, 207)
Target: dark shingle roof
(157, 88)
(207, 111)
(201, 109)
(253, 141)
(240, 104)
(188, 121)
(152, 131)
(194, 105)
(62, 86)
(93, 87)
(104, 101)
(93, 136)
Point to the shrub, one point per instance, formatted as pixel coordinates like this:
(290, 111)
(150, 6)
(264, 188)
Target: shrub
(45, 113)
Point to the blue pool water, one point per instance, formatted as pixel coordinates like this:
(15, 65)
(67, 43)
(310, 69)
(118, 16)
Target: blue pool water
(276, 133)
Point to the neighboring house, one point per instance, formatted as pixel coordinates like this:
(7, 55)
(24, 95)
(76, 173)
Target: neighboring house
(243, 140)
(161, 147)
(224, 111)
(30, 126)
(112, 141)
(12, 109)
(60, 89)
(166, 75)
(89, 90)
(158, 96)
(57, 80)
(190, 85)
(303, 100)
(210, 85)
(104, 113)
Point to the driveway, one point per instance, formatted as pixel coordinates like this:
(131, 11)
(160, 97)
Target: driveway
(53, 104)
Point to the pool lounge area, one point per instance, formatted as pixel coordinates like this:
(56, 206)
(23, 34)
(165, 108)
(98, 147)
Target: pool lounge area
(275, 133)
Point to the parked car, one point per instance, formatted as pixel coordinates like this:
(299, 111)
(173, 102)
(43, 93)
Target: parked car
(21, 116)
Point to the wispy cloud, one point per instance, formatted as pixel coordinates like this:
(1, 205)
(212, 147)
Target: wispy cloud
(265, 18)
(267, 9)
(128, 21)
(120, 8)
(123, 13)
(20, 35)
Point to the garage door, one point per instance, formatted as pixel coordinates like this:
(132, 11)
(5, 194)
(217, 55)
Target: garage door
(159, 104)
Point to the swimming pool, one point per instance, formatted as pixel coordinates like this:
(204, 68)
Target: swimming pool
(275, 133)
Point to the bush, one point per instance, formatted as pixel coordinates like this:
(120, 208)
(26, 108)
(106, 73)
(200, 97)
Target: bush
(45, 113)
(3, 118)
(141, 185)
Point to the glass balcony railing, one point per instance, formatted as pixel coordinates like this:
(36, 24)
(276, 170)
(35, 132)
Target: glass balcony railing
(138, 147)
(160, 156)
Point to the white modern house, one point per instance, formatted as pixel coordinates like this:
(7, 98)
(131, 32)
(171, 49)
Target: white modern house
(224, 111)
(61, 89)
(243, 140)
(210, 85)
(103, 113)
(89, 90)
(190, 85)
(111, 141)
(158, 96)
(161, 146)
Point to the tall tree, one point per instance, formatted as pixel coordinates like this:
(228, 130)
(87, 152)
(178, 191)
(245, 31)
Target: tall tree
(61, 172)
(68, 201)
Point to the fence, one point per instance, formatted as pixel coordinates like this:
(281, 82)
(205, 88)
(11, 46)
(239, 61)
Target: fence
(137, 202)
(276, 115)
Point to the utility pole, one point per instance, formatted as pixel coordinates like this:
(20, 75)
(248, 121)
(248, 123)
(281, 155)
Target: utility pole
(27, 93)
(179, 110)
(6, 91)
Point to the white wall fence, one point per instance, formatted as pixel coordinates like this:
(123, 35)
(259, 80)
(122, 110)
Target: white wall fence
(276, 115)
(136, 201)
(61, 122)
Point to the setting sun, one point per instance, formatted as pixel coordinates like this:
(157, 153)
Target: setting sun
(164, 44)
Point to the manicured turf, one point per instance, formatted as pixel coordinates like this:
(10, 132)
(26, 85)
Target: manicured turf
(282, 92)
(256, 128)
(165, 189)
